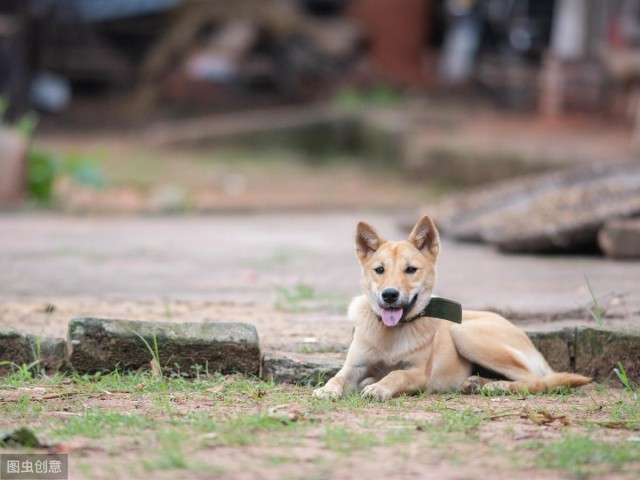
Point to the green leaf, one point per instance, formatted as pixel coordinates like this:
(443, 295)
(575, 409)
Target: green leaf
(43, 170)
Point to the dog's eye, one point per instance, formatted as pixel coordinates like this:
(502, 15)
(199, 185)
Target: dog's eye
(379, 270)
(410, 270)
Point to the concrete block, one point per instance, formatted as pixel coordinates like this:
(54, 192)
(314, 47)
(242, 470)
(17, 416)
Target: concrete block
(285, 367)
(598, 351)
(15, 348)
(95, 344)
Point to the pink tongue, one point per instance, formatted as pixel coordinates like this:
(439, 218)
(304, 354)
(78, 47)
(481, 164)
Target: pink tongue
(391, 316)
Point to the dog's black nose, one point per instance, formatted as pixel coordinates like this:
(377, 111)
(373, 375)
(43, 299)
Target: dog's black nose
(390, 295)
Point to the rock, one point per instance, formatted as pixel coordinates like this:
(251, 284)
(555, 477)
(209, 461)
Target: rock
(558, 347)
(598, 351)
(620, 238)
(13, 167)
(555, 212)
(52, 352)
(285, 367)
(14, 348)
(103, 345)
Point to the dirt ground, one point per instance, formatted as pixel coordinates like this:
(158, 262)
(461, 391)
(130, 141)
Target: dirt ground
(238, 429)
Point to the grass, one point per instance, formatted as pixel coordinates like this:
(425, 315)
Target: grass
(464, 421)
(216, 413)
(345, 440)
(171, 455)
(95, 423)
(581, 456)
(629, 385)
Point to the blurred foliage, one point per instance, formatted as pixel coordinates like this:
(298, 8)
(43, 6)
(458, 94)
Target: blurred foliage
(25, 126)
(377, 97)
(44, 169)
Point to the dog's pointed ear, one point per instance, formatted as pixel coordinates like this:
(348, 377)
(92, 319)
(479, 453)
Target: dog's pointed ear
(425, 236)
(367, 241)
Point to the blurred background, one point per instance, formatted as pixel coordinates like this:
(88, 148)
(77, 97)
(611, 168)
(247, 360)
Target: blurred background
(170, 106)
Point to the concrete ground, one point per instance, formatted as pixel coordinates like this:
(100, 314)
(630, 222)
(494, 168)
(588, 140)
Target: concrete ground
(301, 263)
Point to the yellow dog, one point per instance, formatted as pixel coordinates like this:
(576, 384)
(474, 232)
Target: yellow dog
(398, 348)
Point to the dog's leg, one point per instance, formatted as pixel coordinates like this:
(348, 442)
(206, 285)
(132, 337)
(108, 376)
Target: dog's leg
(346, 380)
(397, 382)
(498, 345)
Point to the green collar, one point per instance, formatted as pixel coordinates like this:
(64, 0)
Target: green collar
(440, 308)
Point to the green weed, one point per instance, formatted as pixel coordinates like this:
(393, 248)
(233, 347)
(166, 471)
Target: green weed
(19, 373)
(595, 311)
(293, 299)
(45, 168)
(24, 407)
(629, 384)
(155, 355)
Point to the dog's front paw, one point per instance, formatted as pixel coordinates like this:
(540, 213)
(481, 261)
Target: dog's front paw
(330, 392)
(377, 392)
(473, 385)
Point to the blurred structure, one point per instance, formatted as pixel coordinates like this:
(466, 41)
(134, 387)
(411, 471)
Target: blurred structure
(552, 55)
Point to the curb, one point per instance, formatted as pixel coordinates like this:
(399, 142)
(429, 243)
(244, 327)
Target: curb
(106, 345)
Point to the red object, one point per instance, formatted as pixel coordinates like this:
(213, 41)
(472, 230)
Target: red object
(397, 32)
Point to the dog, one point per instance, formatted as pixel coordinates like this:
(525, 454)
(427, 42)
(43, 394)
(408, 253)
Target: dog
(397, 349)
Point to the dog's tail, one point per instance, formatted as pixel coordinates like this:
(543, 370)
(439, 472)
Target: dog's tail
(564, 379)
(551, 380)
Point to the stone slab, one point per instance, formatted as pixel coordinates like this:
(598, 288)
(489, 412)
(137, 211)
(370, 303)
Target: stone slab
(14, 348)
(286, 367)
(96, 344)
(561, 211)
(620, 238)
